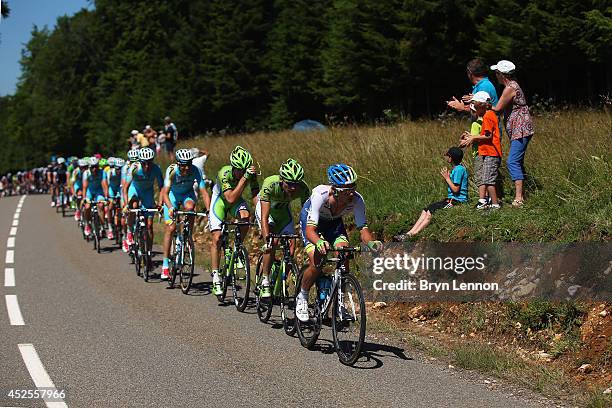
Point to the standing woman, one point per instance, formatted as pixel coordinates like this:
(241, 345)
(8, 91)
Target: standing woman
(519, 124)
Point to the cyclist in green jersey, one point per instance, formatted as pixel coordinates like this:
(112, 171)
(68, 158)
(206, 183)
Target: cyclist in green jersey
(227, 199)
(273, 213)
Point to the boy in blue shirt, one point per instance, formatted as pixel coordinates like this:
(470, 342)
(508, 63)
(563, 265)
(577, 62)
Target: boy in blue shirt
(457, 187)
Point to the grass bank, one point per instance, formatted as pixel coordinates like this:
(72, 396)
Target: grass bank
(568, 162)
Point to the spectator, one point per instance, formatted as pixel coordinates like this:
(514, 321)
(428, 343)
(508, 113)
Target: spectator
(171, 136)
(519, 125)
(477, 74)
(133, 141)
(151, 135)
(141, 140)
(489, 150)
(457, 191)
(199, 159)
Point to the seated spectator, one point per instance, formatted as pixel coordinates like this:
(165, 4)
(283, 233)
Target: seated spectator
(457, 187)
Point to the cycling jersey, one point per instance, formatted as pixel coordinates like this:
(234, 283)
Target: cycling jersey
(220, 207)
(182, 184)
(280, 219)
(141, 184)
(62, 174)
(113, 176)
(318, 212)
(94, 191)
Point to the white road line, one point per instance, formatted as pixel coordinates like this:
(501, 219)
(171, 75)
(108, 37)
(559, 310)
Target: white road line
(15, 223)
(37, 371)
(14, 313)
(18, 210)
(16, 216)
(10, 256)
(9, 277)
(13, 231)
(10, 242)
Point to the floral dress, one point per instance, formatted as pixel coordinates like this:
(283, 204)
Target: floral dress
(518, 120)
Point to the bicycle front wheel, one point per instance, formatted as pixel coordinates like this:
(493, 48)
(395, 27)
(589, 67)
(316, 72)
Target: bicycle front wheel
(349, 320)
(187, 264)
(174, 263)
(263, 304)
(241, 278)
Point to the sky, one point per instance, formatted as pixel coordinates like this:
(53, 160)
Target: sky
(15, 32)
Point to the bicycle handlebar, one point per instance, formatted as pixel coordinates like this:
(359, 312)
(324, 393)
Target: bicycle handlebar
(199, 214)
(145, 210)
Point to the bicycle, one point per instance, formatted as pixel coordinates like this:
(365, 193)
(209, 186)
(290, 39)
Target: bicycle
(141, 256)
(283, 276)
(182, 258)
(235, 266)
(115, 221)
(62, 199)
(96, 228)
(347, 304)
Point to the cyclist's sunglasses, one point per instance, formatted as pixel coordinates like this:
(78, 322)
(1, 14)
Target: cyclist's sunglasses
(292, 184)
(345, 190)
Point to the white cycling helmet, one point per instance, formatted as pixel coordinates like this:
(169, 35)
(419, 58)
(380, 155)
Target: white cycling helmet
(93, 161)
(111, 161)
(61, 160)
(82, 162)
(146, 154)
(183, 156)
(119, 162)
(132, 155)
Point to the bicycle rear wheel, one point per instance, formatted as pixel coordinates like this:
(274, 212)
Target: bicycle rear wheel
(224, 275)
(308, 332)
(241, 278)
(348, 320)
(288, 298)
(145, 260)
(63, 205)
(263, 305)
(187, 264)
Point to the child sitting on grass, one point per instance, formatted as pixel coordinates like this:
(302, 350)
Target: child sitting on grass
(457, 186)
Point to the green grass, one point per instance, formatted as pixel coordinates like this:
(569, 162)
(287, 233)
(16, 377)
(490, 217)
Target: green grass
(568, 189)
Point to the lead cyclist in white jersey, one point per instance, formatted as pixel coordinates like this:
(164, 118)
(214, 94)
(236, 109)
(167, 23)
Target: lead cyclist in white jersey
(322, 226)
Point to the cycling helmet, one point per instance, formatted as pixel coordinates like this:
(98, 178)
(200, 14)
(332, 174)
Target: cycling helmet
(240, 158)
(184, 156)
(119, 162)
(103, 163)
(82, 162)
(291, 171)
(93, 161)
(341, 175)
(111, 161)
(53, 159)
(146, 154)
(132, 155)
(61, 160)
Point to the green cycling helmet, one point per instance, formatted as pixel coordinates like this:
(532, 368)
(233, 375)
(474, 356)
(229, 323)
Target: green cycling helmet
(240, 158)
(103, 163)
(291, 171)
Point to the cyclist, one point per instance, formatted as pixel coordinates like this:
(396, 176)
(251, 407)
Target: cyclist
(113, 176)
(132, 159)
(178, 191)
(60, 177)
(138, 190)
(273, 213)
(50, 179)
(76, 186)
(96, 189)
(322, 226)
(227, 198)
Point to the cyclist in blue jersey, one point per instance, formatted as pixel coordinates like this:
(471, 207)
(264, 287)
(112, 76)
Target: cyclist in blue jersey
(138, 190)
(178, 192)
(113, 175)
(95, 186)
(132, 158)
(76, 185)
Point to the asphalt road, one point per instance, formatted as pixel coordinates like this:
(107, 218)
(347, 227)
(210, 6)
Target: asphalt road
(108, 339)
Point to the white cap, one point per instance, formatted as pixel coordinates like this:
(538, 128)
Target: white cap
(481, 96)
(504, 66)
(148, 127)
(195, 151)
(134, 132)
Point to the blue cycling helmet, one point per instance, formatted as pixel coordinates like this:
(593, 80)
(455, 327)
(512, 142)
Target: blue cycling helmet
(340, 175)
(53, 159)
